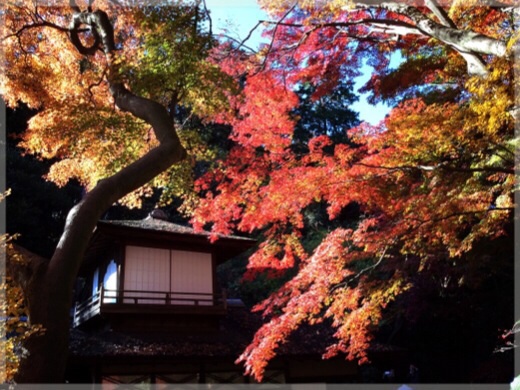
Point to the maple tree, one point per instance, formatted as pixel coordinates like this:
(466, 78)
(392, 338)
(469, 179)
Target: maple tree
(108, 80)
(431, 181)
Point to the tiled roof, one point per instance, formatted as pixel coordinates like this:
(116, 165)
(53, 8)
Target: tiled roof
(236, 332)
(159, 225)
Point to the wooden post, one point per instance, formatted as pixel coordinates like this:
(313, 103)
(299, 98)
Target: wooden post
(101, 296)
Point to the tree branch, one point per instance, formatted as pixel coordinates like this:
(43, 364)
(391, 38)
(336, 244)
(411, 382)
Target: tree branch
(440, 13)
(360, 273)
(270, 48)
(387, 24)
(43, 23)
(428, 168)
(462, 40)
(468, 43)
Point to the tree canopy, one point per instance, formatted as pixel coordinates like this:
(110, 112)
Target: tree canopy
(432, 181)
(116, 85)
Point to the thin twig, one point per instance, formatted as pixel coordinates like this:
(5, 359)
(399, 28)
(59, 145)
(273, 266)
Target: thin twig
(360, 273)
(271, 43)
(98, 83)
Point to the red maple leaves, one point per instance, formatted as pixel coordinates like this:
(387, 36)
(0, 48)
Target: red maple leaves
(423, 186)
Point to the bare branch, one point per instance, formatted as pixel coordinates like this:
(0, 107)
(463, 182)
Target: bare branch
(97, 84)
(270, 48)
(43, 23)
(462, 40)
(475, 63)
(422, 222)
(241, 43)
(74, 6)
(468, 43)
(210, 21)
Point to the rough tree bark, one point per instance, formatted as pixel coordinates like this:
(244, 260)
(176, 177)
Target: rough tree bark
(50, 286)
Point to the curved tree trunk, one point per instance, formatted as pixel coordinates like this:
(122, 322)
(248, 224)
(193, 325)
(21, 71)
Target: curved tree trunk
(49, 294)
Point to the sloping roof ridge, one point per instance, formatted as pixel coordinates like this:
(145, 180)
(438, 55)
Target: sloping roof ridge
(145, 220)
(150, 223)
(155, 224)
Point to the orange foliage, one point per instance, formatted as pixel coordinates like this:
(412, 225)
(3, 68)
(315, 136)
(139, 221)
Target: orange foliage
(77, 123)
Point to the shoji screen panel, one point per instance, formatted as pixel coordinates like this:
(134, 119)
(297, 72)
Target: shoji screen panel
(192, 272)
(147, 269)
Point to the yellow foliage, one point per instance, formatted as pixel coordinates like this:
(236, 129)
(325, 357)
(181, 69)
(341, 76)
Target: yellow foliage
(325, 7)
(15, 330)
(164, 56)
(15, 327)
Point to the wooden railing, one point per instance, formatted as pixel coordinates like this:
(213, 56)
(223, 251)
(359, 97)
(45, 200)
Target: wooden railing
(105, 298)
(87, 309)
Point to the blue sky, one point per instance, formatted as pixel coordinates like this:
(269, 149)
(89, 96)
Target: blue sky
(240, 16)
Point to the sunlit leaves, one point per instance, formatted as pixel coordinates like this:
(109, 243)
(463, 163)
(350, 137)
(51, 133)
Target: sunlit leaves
(431, 181)
(265, 117)
(163, 53)
(171, 63)
(15, 328)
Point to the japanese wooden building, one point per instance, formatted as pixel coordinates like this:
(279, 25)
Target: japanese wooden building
(150, 310)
